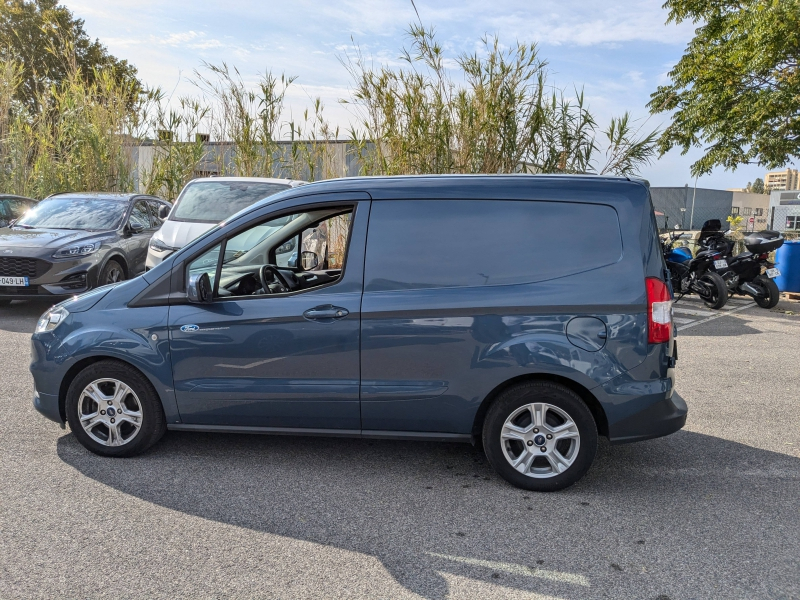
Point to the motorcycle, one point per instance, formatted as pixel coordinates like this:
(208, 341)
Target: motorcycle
(690, 274)
(748, 273)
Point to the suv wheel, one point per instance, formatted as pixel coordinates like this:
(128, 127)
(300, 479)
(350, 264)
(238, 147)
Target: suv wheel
(113, 410)
(112, 273)
(540, 436)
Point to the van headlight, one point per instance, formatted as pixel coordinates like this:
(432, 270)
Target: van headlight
(77, 250)
(51, 319)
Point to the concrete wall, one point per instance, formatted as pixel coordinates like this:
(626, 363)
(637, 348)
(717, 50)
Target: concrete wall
(752, 206)
(341, 160)
(708, 204)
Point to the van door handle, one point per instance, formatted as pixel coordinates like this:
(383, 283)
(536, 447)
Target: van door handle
(326, 312)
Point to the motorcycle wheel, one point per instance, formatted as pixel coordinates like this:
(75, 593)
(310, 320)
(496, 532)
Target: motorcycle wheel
(772, 291)
(718, 291)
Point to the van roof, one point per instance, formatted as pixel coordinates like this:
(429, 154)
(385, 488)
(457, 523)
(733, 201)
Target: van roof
(452, 186)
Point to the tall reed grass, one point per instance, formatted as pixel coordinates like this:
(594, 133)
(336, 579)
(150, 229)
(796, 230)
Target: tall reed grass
(505, 117)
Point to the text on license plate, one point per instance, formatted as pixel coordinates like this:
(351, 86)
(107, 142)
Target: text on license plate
(14, 281)
(720, 264)
(772, 273)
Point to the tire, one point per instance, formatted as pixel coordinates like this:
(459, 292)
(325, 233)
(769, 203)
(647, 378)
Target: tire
(135, 431)
(719, 290)
(574, 452)
(773, 293)
(112, 272)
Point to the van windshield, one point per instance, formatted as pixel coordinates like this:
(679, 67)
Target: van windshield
(215, 201)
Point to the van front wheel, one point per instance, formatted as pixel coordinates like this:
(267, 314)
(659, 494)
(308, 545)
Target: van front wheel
(113, 410)
(540, 436)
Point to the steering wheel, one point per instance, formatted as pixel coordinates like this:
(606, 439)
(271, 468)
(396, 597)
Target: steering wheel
(276, 275)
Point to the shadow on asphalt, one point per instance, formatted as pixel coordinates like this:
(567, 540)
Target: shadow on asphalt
(737, 324)
(427, 508)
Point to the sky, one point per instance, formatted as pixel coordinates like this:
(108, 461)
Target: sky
(617, 51)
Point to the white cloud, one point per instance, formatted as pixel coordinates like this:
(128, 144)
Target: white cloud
(177, 39)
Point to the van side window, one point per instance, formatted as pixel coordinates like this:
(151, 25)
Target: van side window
(291, 253)
(417, 244)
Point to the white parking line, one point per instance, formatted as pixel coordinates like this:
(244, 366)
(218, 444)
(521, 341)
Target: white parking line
(516, 569)
(692, 311)
(716, 316)
(680, 321)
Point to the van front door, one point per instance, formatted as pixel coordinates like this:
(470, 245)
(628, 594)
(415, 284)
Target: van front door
(282, 358)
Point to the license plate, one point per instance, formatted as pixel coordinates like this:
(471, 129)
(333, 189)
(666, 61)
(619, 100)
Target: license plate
(720, 264)
(14, 281)
(773, 273)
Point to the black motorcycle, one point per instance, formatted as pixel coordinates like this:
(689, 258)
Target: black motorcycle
(693, 274)
(748, 273)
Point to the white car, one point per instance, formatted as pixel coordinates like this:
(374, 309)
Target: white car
(205, 202)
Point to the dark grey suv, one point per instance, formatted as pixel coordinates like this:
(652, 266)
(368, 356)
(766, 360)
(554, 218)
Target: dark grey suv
(69, 243)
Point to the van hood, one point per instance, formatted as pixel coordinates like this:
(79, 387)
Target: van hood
(43, 238)
(176, 234)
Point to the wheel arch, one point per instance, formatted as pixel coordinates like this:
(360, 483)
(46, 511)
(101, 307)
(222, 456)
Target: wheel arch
(120, 258)
(584, 393)
(79, 366)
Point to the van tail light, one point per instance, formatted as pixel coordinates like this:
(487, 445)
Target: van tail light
(659, 311)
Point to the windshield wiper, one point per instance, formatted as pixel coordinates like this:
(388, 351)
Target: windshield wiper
(21, 226)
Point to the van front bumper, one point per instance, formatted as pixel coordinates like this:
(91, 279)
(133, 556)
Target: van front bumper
(47, 404)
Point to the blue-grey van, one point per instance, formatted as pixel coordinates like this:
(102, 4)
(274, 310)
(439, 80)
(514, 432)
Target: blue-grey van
(528, 314)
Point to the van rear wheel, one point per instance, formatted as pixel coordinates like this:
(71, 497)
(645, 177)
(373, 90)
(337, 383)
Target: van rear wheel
(114, 410)
(540, 436)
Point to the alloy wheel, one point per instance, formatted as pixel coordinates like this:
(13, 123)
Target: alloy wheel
(110, 412)
(540, 440)
(114, 275)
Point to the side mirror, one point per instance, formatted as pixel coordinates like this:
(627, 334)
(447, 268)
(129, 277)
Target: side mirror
(135, 227)
(199, 289)
(163, 211)
(309, 260)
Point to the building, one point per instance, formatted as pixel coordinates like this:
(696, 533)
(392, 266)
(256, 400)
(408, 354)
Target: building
(753, 208)
(784, 211)
(788, 179)
(688, 208)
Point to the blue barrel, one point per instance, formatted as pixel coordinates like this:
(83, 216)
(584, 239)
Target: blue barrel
(788, 259)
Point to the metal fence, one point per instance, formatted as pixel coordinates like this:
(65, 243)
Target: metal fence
(686, 208)
(785, 219)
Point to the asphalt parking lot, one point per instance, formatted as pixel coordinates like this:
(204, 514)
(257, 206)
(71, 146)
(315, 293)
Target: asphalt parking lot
(710, 512)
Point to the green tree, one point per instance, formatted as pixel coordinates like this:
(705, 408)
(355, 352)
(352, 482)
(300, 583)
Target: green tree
(34, 34)
(736, 90)
(757, 187)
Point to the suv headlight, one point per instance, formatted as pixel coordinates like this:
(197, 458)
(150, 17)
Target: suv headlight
(158, 246)
(51, 319)
(77, 250)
